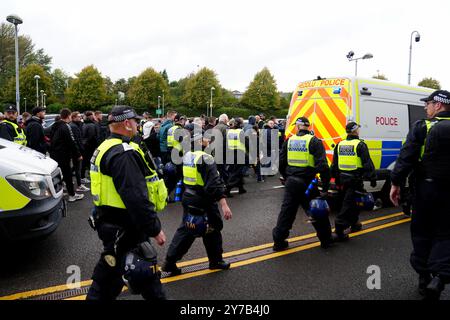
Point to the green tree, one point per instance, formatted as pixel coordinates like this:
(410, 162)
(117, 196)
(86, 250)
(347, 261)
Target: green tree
(144, 91)
(380, 76)
(165, 76)
(60, 82)
(285, 101)
(87, 91)
(27, 53)
(197, 91)
(430, 83)
(28, 87)
(262, 94)
(177, 89)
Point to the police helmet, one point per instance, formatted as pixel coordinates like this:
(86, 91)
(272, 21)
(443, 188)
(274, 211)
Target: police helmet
(170, 170)
(138, 271)
(196, 224)
(318, 208)
(365, 201)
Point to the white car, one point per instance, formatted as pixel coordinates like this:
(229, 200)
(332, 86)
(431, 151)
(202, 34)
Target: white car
(31, 193)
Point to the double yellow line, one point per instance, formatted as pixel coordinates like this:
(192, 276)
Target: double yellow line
(54, 289)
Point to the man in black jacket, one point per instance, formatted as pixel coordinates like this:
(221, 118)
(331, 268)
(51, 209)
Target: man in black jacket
(63, 148)
(77, 126)
(427, 152)
(35, 131)
(91, 140)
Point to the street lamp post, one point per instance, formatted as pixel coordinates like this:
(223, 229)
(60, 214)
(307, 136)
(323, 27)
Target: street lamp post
(159, 103)
(162, 103)
(350, 58)
(25, 101)
(37, 89)
(15, 20)
(42, 98)
(417, 39)
(45, 95)
(211, 104)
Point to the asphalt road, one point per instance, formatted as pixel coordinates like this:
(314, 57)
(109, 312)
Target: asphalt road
(337, 273)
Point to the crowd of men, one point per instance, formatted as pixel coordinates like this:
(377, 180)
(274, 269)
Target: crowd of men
(135, 168)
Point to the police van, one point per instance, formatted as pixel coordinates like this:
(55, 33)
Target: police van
(385, 111)
(31, 193)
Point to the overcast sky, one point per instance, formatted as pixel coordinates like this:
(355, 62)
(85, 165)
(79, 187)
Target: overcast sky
(297, 40)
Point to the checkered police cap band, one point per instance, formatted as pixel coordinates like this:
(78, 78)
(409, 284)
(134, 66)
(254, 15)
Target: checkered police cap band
(302, 122)
(441, 98)
(129, 114)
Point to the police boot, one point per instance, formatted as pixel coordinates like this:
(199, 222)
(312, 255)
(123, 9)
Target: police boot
(424, 280)
(242, 190)
(280, 245)
(339, 235)
(356, 227)
(171, 268)
(326, 243)
(222, 265)
(434, 289)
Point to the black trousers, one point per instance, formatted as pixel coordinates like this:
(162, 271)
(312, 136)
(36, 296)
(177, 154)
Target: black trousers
(107, 280)
(430, 229)
(349, 213)
(294, 196)
(66, 170)
(183, 238)
(236, 175)
(86, 164)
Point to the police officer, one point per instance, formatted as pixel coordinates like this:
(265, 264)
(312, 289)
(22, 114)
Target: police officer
(121, 183)
(175, 136)
(301, 158)
(351, 165)
(237, 156)
(9, 129)
(427, 152)
(204, 188)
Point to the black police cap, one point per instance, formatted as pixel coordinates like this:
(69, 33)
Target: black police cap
(351, 127)
(442, 96)
(122, 113)
(10, 108)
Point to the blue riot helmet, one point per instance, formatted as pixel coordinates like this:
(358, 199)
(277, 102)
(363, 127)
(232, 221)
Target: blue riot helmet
(140, 267)
(196, 224)
(365, 201)
(318, 208)
(170, 169)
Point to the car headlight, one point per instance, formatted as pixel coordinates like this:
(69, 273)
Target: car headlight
(34, 186)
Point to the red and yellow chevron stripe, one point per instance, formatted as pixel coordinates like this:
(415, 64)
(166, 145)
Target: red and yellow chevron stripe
(327, 104)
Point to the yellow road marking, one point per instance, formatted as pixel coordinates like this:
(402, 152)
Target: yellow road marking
(268, 256)
(49, 290)
(39, 292)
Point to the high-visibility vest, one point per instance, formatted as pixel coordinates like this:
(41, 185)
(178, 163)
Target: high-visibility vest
(102, 186)
(233, 140)
(20, 137)
(191, 176)
(298, 151)
(430, 124)
(171, 142)
(348, 159)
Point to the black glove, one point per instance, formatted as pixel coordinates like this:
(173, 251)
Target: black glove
(373, 183)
